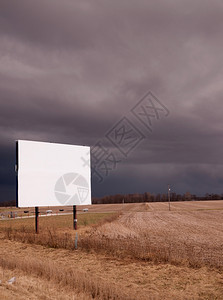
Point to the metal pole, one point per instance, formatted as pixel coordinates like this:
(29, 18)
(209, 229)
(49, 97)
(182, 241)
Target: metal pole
(37, 219)
(169, 195)
(75, 217)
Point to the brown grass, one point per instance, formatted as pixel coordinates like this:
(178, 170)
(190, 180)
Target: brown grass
(77, 280)
(192, 238)
(183, 238)
(59, 221)
(53, 236)
(29, 286)
(136, 279)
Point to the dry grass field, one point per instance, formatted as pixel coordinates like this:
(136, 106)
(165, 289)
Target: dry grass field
(130, 251)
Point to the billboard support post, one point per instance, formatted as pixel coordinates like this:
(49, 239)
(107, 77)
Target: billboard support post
(37, 219)
(75, 217)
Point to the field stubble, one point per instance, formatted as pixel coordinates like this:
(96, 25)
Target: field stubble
(179, 241)
(193, 238)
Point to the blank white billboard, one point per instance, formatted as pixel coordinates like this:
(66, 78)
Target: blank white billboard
(52, 174)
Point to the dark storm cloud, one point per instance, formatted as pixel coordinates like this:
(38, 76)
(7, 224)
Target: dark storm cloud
(69, 70)
(50, 23)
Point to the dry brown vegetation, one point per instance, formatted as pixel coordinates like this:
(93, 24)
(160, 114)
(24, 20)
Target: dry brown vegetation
(29, 286)
(66, 276)
(184, 238)
(141, 239)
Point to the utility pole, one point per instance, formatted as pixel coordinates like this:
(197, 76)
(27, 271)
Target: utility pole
(169, 195)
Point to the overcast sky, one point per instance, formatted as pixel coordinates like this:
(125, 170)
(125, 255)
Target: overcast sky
(70, 71)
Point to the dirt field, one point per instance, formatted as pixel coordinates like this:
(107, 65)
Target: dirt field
(146, 252)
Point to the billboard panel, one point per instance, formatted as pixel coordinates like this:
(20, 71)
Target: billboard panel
(52, 174)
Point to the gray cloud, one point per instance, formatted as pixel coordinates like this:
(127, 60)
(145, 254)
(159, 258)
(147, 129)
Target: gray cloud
(70, 70)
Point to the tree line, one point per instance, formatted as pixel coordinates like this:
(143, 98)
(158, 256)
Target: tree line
(137, 198)
(149, 197)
